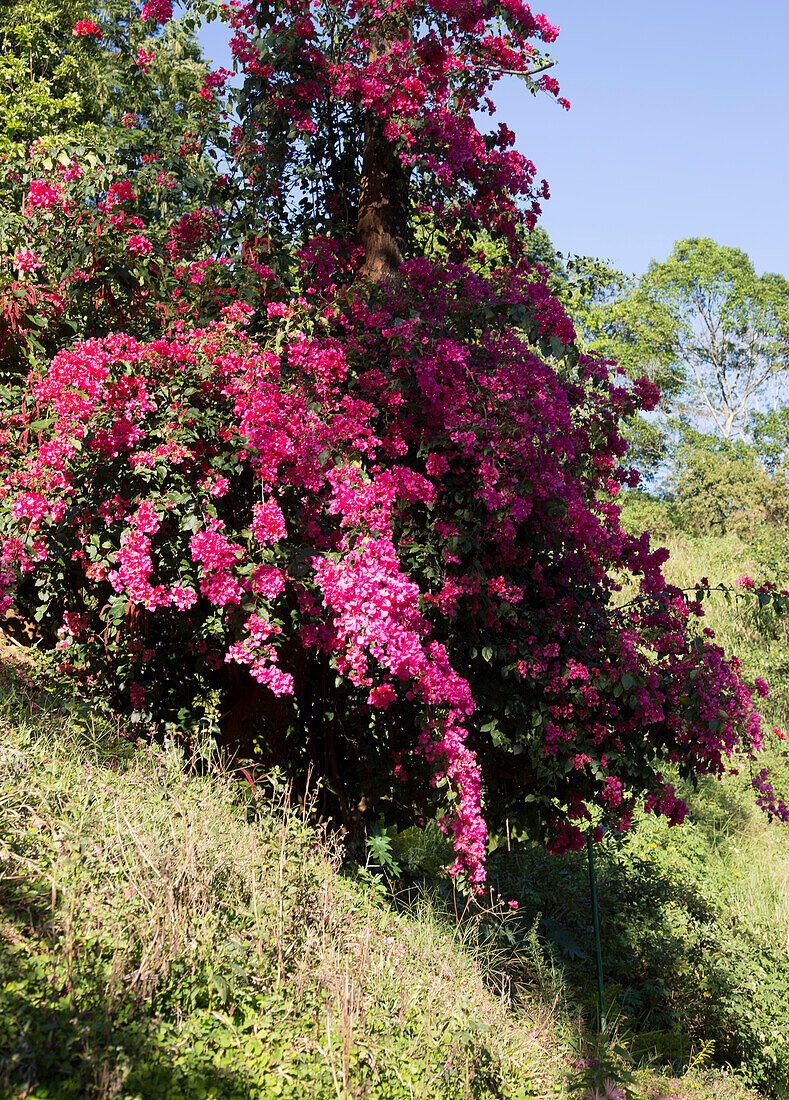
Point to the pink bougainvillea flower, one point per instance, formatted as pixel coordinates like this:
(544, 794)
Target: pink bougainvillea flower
(139, 245)
(268, 523)
(26, 260)
(86, 29)
(217, 79)
(120, 192)
(44, 194)
(144, 59)
(381, 696)
(160, 11)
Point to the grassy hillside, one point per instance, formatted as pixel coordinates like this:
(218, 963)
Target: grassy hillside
(170, 935)
(167, 934)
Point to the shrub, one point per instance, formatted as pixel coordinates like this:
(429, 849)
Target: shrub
(384, 487)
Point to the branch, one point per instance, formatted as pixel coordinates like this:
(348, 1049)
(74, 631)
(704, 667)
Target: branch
(658, 597)
(777, 598)
(519, 72)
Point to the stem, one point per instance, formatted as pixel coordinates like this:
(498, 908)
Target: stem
(596, 923)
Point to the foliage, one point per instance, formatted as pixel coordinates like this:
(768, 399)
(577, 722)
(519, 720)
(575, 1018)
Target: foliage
(65, 76)
(116, 205)
(708, 329)
(750, 619)
(770, 434)
(581, 283)
(719, 485)
(383, 486)
(642, 511)
(694, 935)
(713, 336)
(592, 292)
(48, 76)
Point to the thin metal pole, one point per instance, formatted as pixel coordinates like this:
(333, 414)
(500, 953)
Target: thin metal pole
(596, 922)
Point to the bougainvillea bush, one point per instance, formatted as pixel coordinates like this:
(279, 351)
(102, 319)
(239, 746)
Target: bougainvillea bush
(374, 508)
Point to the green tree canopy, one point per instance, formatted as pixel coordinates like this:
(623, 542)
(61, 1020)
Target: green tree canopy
(711, 333)
(79, 86)
(719, 485)
(47, 75)
(91, 95)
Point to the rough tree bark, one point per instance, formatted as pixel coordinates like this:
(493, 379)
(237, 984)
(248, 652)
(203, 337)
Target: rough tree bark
(382, 223)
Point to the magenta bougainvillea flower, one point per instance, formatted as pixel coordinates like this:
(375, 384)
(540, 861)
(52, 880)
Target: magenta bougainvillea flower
(159, 11)
(86, 29)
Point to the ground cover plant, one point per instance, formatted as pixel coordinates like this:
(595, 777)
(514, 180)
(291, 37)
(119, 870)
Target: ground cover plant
(324, 444)
(694, 932)
(166, 934)
(174, 936)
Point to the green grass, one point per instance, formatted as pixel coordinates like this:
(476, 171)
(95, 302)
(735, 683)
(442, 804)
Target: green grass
(166, 934)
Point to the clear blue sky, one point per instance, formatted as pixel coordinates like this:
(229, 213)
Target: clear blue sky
(678, 127)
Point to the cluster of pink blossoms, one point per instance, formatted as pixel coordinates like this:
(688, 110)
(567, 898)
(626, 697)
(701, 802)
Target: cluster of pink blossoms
(26, 260)
(160, 11)
(144, 59)
(375, 615)
(137, 245)
(344, 461)
(86, 29)
(424, 86)
(268, 522)
(217, 557)
(44, 195)
(256, 651)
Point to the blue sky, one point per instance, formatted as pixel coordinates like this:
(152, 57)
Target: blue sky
(678, 127)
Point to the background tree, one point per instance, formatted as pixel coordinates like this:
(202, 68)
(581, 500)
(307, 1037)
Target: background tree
(710, 332)
(770, 434)
(48, 80)
(73, 68)
(719, 486)
(713, 336)
(88, 104)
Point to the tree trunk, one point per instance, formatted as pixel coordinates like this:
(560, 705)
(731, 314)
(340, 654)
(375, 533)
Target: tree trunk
(383, 202)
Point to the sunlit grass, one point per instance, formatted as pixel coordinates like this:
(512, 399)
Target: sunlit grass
(171, 934)
(163, 933)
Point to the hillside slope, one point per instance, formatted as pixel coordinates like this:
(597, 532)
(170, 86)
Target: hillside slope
(172, 935)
